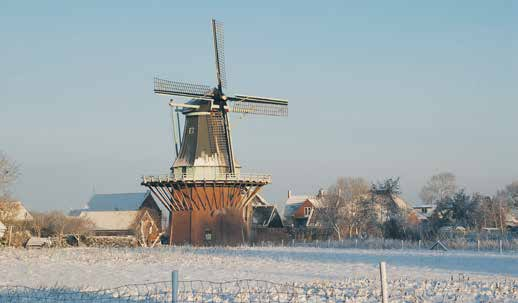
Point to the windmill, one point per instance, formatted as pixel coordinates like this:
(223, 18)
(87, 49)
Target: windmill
(206, 194)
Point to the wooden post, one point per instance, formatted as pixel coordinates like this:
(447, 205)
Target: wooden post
(174, 286)
(383, 278)
(10, 235)
(171, 228)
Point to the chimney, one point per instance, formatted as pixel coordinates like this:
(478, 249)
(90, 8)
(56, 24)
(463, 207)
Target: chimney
(289, 194)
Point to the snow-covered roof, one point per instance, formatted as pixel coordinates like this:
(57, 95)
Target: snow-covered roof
(120, 202)
(294, 202)
(400, 202)
(111, 220)
(17, 210)
(423, 206)
(259, 201)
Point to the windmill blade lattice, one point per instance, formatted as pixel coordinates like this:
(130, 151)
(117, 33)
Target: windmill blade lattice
(258, 106)
(219, 48)
(167, 87)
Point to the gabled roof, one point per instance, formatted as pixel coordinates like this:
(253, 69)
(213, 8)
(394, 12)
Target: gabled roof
(258, 200)
(116, 202)
(400, 202)
(111, 220)
(16, 210)
(294, 202)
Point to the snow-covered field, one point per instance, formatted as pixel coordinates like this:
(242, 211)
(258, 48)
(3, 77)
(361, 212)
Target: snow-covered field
(417, 274)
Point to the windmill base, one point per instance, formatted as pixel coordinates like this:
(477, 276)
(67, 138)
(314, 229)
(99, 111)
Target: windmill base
(226, 226)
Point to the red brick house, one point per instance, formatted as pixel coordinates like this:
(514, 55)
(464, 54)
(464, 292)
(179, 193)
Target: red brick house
(302, 211)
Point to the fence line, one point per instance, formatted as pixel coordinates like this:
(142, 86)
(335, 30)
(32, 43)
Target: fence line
(457, 289)
(498, 245)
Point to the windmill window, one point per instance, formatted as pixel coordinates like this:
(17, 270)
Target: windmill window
(191, 130)
(307, 211)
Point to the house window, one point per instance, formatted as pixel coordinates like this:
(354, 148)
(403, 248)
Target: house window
(307, 211)
(191, 130)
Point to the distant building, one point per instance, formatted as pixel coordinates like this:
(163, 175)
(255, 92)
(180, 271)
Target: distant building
(423, 211)
(111, 223)
(265, 214)
(117, 214)
(14, 211)
(511, 220)
(301, 211)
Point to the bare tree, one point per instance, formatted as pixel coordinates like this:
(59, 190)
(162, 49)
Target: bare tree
(438, 188)
(9, 171)
(342, 208)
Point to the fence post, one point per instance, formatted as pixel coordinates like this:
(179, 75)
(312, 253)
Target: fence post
(478, 245)
(328, 243)
(174, 281)
(356, 243)
(383, 278)
(501, 247)
(419, 245)
(10, 235)
(402, 246)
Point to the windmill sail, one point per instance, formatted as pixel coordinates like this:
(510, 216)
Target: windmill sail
(219, 50)
(173, 88)
(259, 105)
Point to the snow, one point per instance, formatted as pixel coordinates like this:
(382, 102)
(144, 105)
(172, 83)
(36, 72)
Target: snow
(473, 274)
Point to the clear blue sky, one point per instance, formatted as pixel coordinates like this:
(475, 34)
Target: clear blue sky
(376, 89)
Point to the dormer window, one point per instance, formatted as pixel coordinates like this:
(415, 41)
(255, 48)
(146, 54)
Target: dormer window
(307, 211)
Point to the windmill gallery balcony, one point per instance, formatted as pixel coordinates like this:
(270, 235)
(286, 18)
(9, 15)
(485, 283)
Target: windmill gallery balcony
(218, 177)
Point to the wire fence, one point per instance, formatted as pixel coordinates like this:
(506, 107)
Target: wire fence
(459, 288)
(188, 291)
(481, 245)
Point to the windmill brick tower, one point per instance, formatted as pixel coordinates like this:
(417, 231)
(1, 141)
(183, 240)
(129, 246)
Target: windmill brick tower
(206, 194)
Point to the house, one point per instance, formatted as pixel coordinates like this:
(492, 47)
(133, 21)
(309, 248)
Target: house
(118, 214)
(301, 211)
(511, 220)
(423, 211)
(111, 223)
(14, 211)
(265, 214)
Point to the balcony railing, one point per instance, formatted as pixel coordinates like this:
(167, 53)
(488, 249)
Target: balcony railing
(216, 177)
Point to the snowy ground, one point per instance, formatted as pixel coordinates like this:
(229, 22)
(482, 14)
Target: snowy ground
(94, 268)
